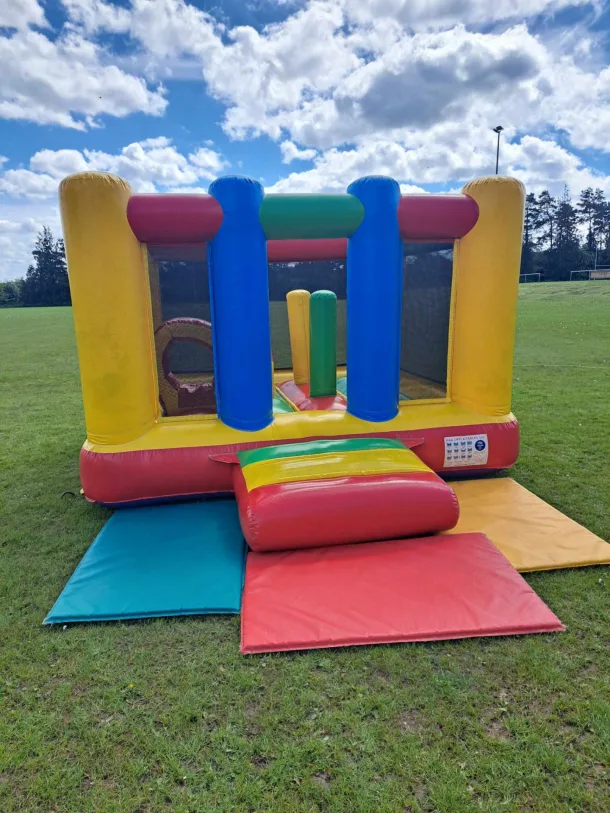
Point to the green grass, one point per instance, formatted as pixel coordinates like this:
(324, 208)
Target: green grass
(166, 715)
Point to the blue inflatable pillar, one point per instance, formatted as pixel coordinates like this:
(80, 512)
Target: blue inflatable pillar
(374, 302)
(239, 304)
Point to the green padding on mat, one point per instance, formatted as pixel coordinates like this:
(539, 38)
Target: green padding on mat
(316, 447)
(163, 560)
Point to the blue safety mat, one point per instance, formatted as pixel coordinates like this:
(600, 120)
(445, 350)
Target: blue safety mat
(162, 560)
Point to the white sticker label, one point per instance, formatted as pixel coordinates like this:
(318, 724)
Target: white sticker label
(466, 450)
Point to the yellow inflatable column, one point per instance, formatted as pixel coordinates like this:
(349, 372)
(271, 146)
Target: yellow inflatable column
(297, 302)
(111, 307)
(487, 283)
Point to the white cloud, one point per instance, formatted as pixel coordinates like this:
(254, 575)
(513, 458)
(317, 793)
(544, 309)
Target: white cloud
(155, 163)
(260, 75)
(254, 73)
(21, 13)
(338, 71)
(420, 14)
(436, 77)
(58, 163)
(166, 27)
(411, 189)
(24, 183)
(543, 164)
(27, 226)
(69, 81)
(191, 190)
(335, 169)
(290, 152)
(148, 165)
(581, 104)
(540, 164)
(16, 241)
(208, 162)
(94, 15)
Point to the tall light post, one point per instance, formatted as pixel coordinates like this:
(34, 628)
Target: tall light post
(498, 130)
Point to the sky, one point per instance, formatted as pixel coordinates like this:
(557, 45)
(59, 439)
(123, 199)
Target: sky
(303, 96)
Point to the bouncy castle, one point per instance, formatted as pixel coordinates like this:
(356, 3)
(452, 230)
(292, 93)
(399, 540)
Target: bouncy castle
(427, 363)
(300, 376)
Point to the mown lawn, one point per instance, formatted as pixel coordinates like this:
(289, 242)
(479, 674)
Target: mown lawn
(166, 715)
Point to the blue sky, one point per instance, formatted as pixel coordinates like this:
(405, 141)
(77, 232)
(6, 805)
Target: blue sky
(304, 96)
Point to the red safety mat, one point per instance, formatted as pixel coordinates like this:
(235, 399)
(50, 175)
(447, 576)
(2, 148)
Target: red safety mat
(425, 589)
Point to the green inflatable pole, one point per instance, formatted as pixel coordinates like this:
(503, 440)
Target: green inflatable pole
(323, 343)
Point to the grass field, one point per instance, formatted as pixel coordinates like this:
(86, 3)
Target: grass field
(167, 716)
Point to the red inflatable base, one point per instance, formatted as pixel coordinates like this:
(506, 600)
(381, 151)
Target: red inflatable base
(425, 589)
(116, 478)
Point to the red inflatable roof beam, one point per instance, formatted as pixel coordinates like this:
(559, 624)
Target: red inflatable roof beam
(174, 218)
(287, 251)
(436, 217)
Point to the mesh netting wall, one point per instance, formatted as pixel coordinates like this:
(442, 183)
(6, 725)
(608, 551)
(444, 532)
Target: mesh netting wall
(425, 310)
(185, 293)
(328, 275)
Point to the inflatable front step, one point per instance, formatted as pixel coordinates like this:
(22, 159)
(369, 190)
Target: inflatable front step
(332, 492)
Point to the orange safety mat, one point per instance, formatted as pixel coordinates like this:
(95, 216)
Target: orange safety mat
(530, 533)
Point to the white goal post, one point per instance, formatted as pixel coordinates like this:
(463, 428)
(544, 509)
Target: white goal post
(524, 277)
(586, 271)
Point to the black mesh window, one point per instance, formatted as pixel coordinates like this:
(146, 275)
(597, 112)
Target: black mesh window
(183, 336)
(328, 275)
(185, 293)
(426, 309)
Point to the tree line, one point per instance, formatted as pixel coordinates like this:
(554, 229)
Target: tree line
(560, 236)
(46, 279)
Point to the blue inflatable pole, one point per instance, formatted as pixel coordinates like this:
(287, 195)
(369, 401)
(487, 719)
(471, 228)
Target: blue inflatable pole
(239, 303)
(374, 302)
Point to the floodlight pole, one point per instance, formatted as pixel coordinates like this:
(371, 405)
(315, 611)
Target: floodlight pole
(498, 130)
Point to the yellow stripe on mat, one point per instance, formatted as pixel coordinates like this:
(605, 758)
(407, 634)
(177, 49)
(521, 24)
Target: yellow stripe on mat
(335, 464)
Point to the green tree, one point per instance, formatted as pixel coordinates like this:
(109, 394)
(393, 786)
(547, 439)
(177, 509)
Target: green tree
(46, 281)
(566, 255)
(532, 219)
(601, 217)
(10, 293)
(601, 225)
(530, 226)
(587, 209)
(547, 215)
(566, 222)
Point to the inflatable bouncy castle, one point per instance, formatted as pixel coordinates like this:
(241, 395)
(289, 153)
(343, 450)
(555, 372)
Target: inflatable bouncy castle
(303, 378)
(186, 361)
